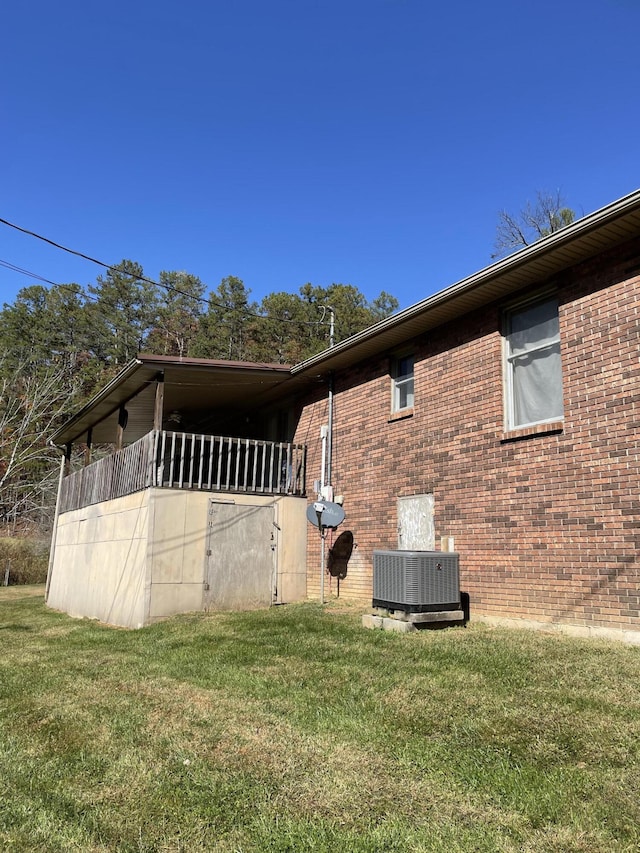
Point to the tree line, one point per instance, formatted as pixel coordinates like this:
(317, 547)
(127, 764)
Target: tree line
(124, 313)
(60, 344)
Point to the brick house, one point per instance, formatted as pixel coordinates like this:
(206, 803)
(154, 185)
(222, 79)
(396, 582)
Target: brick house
(507, 408)
(498, 417)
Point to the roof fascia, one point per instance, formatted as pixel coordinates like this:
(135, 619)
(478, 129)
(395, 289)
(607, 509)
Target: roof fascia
(580, 228)
(127, 371)
(167, 361)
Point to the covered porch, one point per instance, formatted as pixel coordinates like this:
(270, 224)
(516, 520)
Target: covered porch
(141, 528)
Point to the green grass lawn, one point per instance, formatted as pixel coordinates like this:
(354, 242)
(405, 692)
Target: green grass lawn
(294, 729)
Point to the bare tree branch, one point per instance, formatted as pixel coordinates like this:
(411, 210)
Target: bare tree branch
(32, 404)
(536, 220)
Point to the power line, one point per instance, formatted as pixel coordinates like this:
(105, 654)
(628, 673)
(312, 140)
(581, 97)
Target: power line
(14, 268)
(79, 291)
(74, 288)
(168, 287)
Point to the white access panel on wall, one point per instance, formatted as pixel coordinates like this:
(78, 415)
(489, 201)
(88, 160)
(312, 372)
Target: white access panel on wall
(416, 530)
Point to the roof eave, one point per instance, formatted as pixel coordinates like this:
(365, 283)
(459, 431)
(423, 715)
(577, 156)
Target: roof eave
(127, 371)
(337, 356)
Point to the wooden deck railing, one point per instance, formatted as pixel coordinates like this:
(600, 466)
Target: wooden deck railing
(122, 473)
(222, 464)
(177, 460)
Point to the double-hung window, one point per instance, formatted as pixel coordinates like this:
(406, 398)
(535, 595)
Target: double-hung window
(533, 368)
(402, 374)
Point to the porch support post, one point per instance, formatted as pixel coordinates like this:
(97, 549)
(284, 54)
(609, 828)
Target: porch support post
(122, 422)
(64, 462)
(159, 407)
(87, 452)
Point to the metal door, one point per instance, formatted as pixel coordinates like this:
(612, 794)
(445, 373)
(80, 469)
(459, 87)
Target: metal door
(241, 543)
(416, 530)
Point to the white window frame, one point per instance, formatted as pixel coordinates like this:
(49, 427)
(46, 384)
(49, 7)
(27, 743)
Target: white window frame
(401, 382)
(512, 421)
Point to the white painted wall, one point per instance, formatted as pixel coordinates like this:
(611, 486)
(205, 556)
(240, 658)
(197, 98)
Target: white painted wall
(177, 543)
(100, 559)
(133, 560)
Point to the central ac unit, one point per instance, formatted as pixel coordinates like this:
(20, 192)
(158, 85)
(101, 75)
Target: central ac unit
(416, 581)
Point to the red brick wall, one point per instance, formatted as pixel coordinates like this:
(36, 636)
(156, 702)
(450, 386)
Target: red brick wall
(546, 525)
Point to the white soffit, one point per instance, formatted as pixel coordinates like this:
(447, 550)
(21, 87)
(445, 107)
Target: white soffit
(535, 264)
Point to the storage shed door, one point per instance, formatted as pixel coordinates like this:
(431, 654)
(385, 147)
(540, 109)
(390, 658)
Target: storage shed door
(240, 557)
(415, 523)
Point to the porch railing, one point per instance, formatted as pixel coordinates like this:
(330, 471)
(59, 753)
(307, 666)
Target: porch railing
(218, 463)
(114, 476)
(177, 460)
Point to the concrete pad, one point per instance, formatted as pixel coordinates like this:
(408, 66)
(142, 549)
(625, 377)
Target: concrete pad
(398, 625)
(436, 616)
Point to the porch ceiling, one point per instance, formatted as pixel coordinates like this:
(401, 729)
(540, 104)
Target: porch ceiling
(195, 391)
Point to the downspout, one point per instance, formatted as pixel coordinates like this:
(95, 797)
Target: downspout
(330, 430)
(332, 319)
(327, 449)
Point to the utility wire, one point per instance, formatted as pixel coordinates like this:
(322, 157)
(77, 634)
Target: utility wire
(74, 288)
(14, 268)
(79, 291)
(168, 287)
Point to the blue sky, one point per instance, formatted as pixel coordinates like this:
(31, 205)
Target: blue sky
(369, 142)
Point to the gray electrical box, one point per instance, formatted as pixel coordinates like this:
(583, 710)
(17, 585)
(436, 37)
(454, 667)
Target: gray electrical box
(416, 581)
